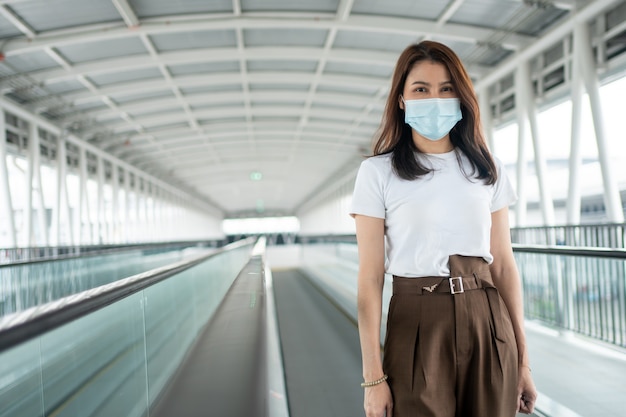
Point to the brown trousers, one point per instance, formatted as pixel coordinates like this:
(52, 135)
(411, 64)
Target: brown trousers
(451, 355)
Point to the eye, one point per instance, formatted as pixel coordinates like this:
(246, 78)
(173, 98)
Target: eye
(447, 89)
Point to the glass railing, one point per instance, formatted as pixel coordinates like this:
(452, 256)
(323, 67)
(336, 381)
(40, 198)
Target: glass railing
(575, 289)
(606, 235)
(26, 285)
(570, 289)
(111, 349)
(46, 253)
(582, 290)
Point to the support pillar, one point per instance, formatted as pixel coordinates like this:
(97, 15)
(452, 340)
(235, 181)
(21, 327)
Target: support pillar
(55, 231)
(115, 204)
(28, 204)
(63, 218)
(522, 123)
(137, 226)
(127, 190)
(486, 118)
(582, 44)
(84, 215)
(101, 226)
(575, 158)
(6, 203)
(545, 197)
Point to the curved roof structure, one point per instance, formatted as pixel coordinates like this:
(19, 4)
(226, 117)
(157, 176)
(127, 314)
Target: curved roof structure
(252, 105)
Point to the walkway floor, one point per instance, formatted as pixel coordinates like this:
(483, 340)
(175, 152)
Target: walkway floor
(587, 377)
(320, 348)
(575, 377)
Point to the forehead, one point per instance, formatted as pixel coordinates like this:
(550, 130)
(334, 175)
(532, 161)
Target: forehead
(428, 71)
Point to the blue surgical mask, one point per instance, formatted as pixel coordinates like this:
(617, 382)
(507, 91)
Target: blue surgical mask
(433, 118)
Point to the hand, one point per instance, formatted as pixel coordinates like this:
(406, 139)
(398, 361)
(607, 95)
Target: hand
(378, 402)
(526, 390)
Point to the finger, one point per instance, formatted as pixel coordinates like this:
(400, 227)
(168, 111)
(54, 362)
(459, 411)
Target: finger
(526, 407)
(521, 406)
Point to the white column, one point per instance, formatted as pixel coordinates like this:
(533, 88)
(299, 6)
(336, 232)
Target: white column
(41, 207)
(149, 229)
(55, 230)
(41, 211)
(34, 185)
(612, 197)
(486, 118)
(62, 205)
(127, 190)
(522, 122)
(28, 205)
(6, 203)
(138, 235)
(168, 215)
(575, 159)
(84, 214)
(157, 221)
(115, 204)
(70, 220)
(101, 233)
(546, 202)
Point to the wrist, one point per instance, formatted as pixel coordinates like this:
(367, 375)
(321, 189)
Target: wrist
(374, 382)
(374, 373)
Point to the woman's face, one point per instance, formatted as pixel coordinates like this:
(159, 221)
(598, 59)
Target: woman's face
(428, 79)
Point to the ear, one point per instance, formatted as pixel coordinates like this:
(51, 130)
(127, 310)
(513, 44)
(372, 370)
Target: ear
(401, 102)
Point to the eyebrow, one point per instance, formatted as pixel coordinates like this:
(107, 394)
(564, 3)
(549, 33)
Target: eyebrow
(428, 84)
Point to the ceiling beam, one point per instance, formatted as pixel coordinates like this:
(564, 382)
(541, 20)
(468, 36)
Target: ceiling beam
(382, 24)
(119, 145)
(198, 81)
(164, 184)
(344, 9)
(586, 14)
(197, 158)
(231, 98)
(209, 55)
(153, 121)
(127, 13)
(16, 21)
(278, 139)
(449, 11)
(237, 7)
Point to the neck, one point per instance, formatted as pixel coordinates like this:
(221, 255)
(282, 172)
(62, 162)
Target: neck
(424, 145)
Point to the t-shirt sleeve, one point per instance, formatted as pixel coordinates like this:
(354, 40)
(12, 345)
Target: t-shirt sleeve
(367, 198)
(503, 192)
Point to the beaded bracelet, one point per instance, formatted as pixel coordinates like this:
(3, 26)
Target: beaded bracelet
(372, 383)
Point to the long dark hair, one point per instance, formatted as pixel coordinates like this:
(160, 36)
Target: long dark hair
(394, 135)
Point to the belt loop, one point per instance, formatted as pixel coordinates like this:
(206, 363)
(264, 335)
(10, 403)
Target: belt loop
(479, 282)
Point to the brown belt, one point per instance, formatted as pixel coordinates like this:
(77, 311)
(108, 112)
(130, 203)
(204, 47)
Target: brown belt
(449, 285)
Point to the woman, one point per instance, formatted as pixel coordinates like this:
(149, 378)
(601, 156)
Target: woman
(431, 209)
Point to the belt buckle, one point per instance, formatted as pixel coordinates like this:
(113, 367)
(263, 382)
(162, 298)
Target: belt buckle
(452, 285)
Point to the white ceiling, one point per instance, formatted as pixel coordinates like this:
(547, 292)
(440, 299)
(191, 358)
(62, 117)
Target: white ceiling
(203, 93)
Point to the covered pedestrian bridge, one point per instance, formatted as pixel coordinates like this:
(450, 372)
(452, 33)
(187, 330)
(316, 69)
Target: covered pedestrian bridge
(175, 179)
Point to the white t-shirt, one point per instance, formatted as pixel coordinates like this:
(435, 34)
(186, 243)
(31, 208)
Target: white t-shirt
(430, 218)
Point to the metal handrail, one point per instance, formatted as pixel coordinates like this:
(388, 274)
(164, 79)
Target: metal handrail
(81, 251)
(609, 235)
(579, 289)
(22, 326)
(569, 226)
(571, 250)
